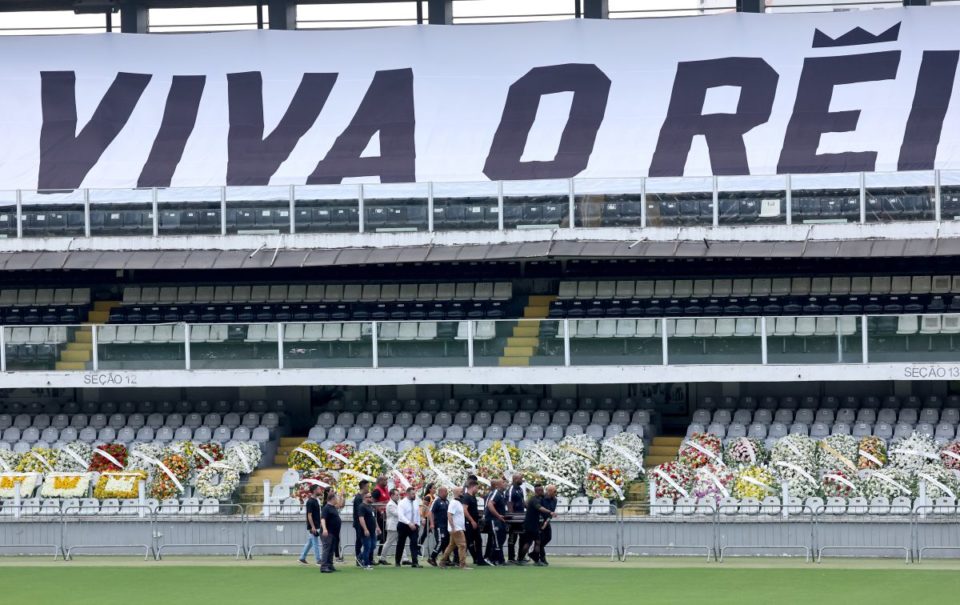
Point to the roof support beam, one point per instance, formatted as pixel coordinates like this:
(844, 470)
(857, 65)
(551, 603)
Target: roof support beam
(750, 6)
(134, 18)
(282, 14)
(596, 9)
(916, 2)
(440, 12)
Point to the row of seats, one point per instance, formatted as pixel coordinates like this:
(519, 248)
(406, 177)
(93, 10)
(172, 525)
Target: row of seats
(490, 404)
(772, 505)
(33, 436)
(942, 433)
(708, 328)
(316, 293)
(790, 306)
(110, 507)
(136, 314)
(579, 505)
(37, 335)
(70, 408)
(762, 287)
(829, 402)
(155, 420)
(43, 315)
(541, 418)
(28, 297)
(829, 416)
(474, 434)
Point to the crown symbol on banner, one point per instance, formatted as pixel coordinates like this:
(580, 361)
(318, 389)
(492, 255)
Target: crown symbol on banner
(855, 37)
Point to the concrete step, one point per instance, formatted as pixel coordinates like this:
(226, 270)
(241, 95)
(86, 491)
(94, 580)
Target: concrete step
(527, 329)
(292, 441)
(83, 336)
(80, 346)
(98, 317)
(76, 356)
(668, 440)
(522, 341)
(541, 300)
(524, 351)
(514, 362)
(651, 461)
(70, 366)
(536, 312)
(106, 305)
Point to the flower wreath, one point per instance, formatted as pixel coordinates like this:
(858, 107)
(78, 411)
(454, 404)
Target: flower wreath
(218, 480)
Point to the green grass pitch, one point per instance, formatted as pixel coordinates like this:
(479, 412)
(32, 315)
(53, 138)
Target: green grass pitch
(274, 581)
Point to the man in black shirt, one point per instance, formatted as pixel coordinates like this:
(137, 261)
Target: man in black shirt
(313, 526)
(531, 525)
(548, 502)
(472, 517)
(370, 530)
(438, 522)
(330, 531)
(357, 502)
(515, 499)
(496, 509)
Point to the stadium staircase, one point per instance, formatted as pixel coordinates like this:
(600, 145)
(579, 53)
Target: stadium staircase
(523, 342)
(77, 354)
(251, 490)
(662, 449)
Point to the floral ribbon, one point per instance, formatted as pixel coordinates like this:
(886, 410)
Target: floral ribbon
(873, 458)
(576, 451)
(915, 453)
(793, 447)
(673, 483)
(205, 456)
(393, 467)
(608, 481)
(359, 474)
(443, 477)
(797, 468)
(108, 456)
(716, 481)
(626, 454)
(751, 451)
(537, 452)
(314, 482)
(506, 454)
(310, 455)
(833, 452)
(486, 481)
(942, 487)
(6, 467)
(222, 465)
(887, 479)
(68, 451)
(163, 467)
(42, 460)
(952, 454)
(705, 451)
(243, 459)
(760, 484)
(470, 463)
(338, 456)
(840, 479)
(558, 479)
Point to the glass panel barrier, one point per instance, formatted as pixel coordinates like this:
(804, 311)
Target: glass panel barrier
(536, 204)
(825, 198)
(328, 345)
(116, 212)
(52, 214)
(258, 210)
(726, 340)
(233, 346)
(395, 207)
(48, 348)
(615, 342)
(189, 211)
(913, 338)
(465, 206)
(679, 201)
(141, 347)
(899, 196)
(522, 342)
(752, 200)
(327, 208)
(950, 195)
(8, 214)
(608, 202)
(425, 344)
(814, 340)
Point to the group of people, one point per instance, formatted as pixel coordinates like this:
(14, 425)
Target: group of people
(385, 518)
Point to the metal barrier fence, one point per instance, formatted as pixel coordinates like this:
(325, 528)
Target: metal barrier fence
(699, 530)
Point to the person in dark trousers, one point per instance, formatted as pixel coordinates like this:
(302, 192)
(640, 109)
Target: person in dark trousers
(329, 531)
(496, 509)
(438, 523)
(408, 527)
(381, 495)
(313, 526)
(471, 514)
(426, 505)
(368, 525)
(548, 502)
(364, 486)
(530, 541)
(515, 503)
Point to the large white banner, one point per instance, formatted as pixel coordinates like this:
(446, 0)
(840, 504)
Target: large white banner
(727, 95)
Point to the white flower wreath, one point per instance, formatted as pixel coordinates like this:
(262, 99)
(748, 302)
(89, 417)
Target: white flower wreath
(218, 480)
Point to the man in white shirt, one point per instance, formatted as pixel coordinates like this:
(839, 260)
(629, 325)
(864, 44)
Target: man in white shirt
(408, 527)
(390, 525)
(456, 525)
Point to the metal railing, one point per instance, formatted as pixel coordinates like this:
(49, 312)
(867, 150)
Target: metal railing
(636, 203)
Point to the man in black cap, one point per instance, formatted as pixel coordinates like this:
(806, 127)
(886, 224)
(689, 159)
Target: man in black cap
(364, 487)
(515, 499)
(471, 514)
